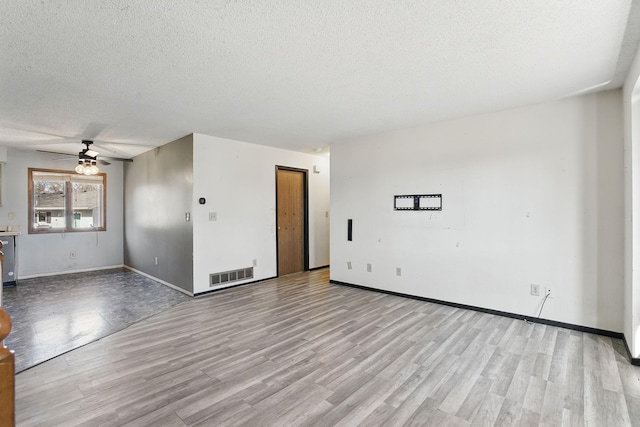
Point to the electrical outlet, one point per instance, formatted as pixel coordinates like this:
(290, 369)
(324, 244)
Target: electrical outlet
(72, 254)
(12, 216)
(368, 268)
(348, 265)
(213, 216)
(255, 262)
(156, 261)
(398, 271)
(535, 290)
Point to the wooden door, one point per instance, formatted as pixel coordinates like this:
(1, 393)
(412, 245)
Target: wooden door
(290, 188)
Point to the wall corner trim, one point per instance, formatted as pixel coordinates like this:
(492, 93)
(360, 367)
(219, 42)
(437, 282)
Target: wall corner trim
(79, 270)
(579, 328)
(170, 285)
(212, 291)
(634, 360)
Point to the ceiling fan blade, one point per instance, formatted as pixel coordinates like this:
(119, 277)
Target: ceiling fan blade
(102, 162)
(113, 149)
(58, 153)
(67, 159)
(92, 130)
(117, 159)
(102, 159)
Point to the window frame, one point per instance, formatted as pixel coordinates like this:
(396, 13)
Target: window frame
(68, 203)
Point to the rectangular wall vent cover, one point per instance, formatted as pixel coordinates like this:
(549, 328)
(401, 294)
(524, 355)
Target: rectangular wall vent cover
(223, 277)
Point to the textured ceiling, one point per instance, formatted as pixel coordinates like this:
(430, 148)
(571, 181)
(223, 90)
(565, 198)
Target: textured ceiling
(292, 74)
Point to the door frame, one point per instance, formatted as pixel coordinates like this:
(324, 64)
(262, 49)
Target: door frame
(305, 196)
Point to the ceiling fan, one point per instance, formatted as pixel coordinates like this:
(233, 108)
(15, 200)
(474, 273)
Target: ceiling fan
(61, 142)
(88, 159)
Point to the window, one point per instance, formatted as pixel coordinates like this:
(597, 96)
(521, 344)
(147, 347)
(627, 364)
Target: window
(64, 201)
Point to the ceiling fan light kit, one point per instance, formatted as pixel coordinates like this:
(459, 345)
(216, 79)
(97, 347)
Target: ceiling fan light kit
(87, 167)
(87, 162)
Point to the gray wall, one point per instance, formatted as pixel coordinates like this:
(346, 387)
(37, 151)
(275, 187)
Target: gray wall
(158, 192)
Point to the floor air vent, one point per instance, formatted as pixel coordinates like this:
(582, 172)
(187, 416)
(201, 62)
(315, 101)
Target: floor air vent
(216, 279)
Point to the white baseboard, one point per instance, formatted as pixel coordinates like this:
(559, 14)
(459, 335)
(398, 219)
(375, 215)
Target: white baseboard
(172, 286)
(81, 270)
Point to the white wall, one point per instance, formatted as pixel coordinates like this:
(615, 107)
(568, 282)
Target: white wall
(530, 195)
(631, 103)
(44, 254)
(238, 181)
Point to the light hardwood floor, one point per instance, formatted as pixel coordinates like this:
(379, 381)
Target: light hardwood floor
(300, 351)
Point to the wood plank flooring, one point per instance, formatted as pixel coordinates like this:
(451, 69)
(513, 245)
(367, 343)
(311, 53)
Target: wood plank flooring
(300, 351)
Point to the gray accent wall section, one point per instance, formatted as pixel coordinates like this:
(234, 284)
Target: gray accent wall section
(158, 193)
